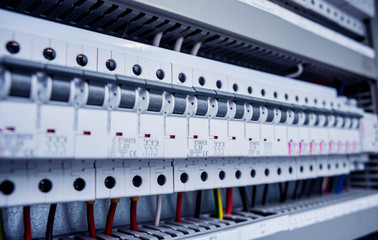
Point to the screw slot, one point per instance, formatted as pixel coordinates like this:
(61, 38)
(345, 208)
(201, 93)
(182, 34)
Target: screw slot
(222, 175)
(249, 90)
(184, 177)
(235, 87)
(161, 179)
(111, 65)
(13, 47)
(279, 171)
(49, 54)
(137, 69)
(219, 84)
(182, 77)
(266, 172)
(45, 185)
(204, 176)
(79, 184)
(160, 74)
(137, 181)
(110, 182)
(82, 60)
(253, 173)
(238, 174)
(7, 187)
(201, 81)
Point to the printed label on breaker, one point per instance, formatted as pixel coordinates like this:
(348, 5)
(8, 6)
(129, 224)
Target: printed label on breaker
(123, 147)
(254, 148)
(17, 145)
(198, 148)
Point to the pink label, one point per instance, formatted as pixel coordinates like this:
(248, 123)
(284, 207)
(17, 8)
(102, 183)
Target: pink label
(300, 147)
(346, 146)
(320, 147)
(289, 145)
(310, 147)
(338, 147)
(330, 146)
(354, 146)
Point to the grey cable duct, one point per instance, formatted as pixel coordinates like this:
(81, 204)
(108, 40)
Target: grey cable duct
(296, 73)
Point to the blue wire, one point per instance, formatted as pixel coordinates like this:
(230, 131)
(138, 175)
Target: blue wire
(340, 186)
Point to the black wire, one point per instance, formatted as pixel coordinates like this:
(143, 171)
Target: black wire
(283, 191)
(244, 198)
(253, 196)
(263, 201)
(321, 180)
(198, 204)
(296, 187)
(50, 222)
(304, 183)
(311, 188)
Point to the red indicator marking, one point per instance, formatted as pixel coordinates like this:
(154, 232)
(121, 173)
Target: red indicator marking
(50, 130)
(147, 135)
(10, 129)
(195, 136)
(119, 134)
(87, 133)
(172, 136)
(233, 138)
(215, 137)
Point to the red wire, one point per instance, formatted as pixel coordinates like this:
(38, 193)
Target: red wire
(90, 220)
(27, 224)
(111, 213)
(326, 190)
(178, 207)
(229, 201)
(133, 214)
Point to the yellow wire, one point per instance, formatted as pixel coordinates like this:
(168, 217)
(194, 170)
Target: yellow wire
(220, 207)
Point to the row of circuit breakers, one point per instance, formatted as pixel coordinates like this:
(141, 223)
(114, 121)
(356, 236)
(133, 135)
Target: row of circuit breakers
(85, 116)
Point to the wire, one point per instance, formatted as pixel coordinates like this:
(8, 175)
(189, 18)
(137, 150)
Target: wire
(296, 187)
(197, 211)
(178, 207)
(90, 219)
(296, 73)
(110, 218)
(340, 186)
(50, 222)
(157, 39)
(27, 224)
(133, 213)
(263, 201)
(2, 233)
(311, 188)
(159, 200)
(196, 48)
(178, 44)
(229, 201)
(253, 196)
(303, 187)
(244, 198)
(218, 203)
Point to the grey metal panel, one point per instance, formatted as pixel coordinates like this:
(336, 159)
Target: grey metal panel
(351, 226)
(252, 23)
